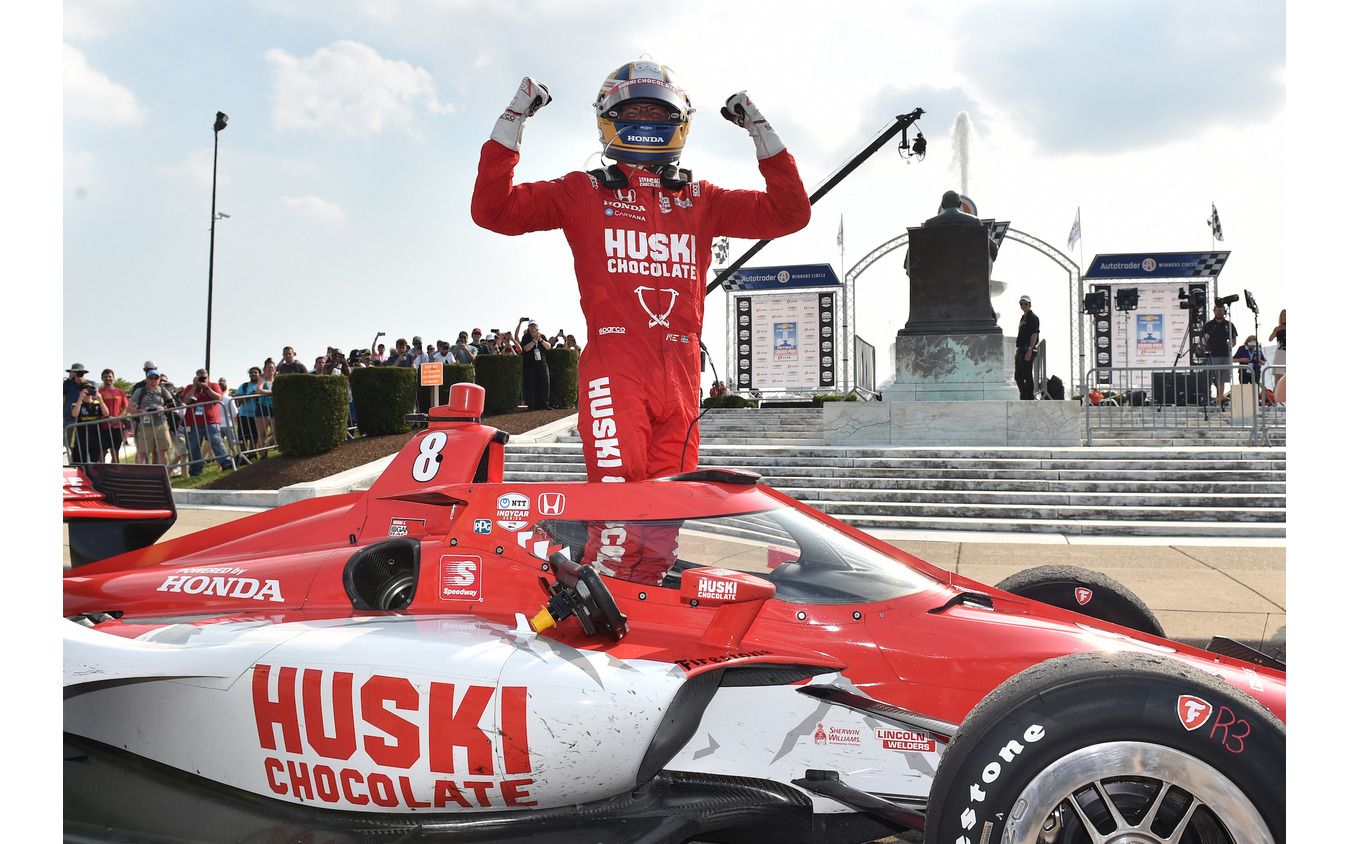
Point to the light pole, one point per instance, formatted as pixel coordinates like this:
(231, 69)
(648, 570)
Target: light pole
(221, 119)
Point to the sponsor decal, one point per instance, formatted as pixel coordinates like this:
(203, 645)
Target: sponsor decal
(1149, 265)
(604, 428)
(624, 206)
(223, 587)
(402, 527)
(551, 503)
(482, 526)
(663, 319)
(613, 329)
(989, 774)
(836, 736)
(459, 578)
(388, 741)
(648, 182)
(1193, 711)
(1082, 595)
(722, 590)
(677, 338)
(714, 660)
(629, 195)
(664, 202)
(894, 738)
(513, 511)
(684, 203)
(659, 255)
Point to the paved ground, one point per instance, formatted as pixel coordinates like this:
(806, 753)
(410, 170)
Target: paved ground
(1196, 590)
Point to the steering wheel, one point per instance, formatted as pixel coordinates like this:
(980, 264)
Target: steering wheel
(598, 612)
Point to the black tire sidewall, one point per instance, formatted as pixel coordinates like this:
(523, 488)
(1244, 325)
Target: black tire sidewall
(1111, 602)
(1088, 699)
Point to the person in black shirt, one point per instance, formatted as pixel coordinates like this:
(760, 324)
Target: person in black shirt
(1217, 338)
(1028, 340)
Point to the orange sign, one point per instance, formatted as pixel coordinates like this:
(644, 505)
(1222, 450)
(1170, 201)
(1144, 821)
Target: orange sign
(433, 374)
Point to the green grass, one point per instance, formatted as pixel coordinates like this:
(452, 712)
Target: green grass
(210, 472)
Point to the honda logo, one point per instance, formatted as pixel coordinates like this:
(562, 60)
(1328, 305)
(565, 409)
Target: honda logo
(551, 503)
(629, 195)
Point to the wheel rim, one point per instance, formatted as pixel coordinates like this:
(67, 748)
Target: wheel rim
(1133, 793)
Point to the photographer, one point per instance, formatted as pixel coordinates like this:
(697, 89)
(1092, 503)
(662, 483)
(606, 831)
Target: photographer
(463, 352)
(1217, 338)
(202, 398)
(86, 440)
(534, 366)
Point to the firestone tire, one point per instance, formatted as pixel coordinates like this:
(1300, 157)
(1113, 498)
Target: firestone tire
(1126, 747)
(1104, 598)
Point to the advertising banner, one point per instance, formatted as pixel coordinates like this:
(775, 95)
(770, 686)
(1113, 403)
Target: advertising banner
(1157, 265)
(786, 342)
(777, 278)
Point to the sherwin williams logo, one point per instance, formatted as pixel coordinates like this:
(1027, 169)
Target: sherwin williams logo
(513, 511)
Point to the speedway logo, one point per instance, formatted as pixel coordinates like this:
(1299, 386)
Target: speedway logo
(459, 578)
(658, 255)
(223, 587)
(897, 739)
(384, 741)
(513, 511)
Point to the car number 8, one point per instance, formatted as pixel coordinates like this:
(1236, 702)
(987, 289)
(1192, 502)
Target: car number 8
(428, 460)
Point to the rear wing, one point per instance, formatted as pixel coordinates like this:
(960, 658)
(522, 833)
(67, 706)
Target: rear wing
(111, 508)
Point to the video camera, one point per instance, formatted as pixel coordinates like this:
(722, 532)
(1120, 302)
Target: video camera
(1193, 299)
(1227, 300)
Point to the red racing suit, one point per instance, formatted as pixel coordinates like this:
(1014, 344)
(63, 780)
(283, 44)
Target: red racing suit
(641, 256)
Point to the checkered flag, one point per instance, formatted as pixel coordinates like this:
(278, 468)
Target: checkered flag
(1208, 266)
(721, 249)
(1213, 222)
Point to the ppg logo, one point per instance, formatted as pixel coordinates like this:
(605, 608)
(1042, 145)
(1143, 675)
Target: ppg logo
(551, 503)
(482, 526)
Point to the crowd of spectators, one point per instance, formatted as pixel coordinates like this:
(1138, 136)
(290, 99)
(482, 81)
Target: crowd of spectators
(177, 427)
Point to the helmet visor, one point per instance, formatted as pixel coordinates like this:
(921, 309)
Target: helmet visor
(646, 90)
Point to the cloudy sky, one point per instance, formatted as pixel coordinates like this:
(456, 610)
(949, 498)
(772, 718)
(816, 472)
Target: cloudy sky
(354, 128)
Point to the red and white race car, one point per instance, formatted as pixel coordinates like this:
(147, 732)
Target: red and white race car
(435, 659)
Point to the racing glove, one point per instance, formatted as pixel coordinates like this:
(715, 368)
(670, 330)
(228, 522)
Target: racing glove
(530, 97)
(743, 113)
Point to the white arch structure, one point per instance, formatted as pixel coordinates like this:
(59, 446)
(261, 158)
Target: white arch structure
(1064, 261)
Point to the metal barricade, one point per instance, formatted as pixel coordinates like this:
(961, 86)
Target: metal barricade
(159, 436)
(1202, 403)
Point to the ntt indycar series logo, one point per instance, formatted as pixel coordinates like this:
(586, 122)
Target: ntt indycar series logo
(658, 255)
(513, 511)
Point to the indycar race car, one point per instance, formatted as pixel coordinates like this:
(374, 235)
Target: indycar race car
(447, 657)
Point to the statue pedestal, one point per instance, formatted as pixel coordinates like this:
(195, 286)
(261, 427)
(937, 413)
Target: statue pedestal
(951, 367)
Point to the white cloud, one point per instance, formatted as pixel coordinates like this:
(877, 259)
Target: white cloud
(89, 19)
(347, 89)
(312, 206)
(89, 95)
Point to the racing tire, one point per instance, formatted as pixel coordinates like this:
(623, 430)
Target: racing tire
(1099, 747)
(1106, 599)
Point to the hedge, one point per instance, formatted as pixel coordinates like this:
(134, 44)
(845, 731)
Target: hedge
(383, 395)
(310, 411)
(451, 373)
(562, 377)
(500, 378)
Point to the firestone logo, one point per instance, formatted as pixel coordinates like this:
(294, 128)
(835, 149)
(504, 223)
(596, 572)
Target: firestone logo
(1193, 711)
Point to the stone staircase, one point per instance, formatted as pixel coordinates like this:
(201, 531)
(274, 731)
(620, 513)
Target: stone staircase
(1208, 488)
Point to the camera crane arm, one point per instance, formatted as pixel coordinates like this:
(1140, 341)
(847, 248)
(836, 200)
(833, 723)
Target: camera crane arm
(901, 125)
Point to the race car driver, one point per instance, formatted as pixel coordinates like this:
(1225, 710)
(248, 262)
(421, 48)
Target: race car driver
(641, 232)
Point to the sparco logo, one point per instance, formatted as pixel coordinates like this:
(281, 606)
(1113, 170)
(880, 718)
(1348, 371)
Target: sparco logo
(604, 428)
(224, 587)
(612, 329)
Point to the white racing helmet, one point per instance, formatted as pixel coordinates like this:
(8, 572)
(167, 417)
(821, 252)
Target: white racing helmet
(647, 141)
